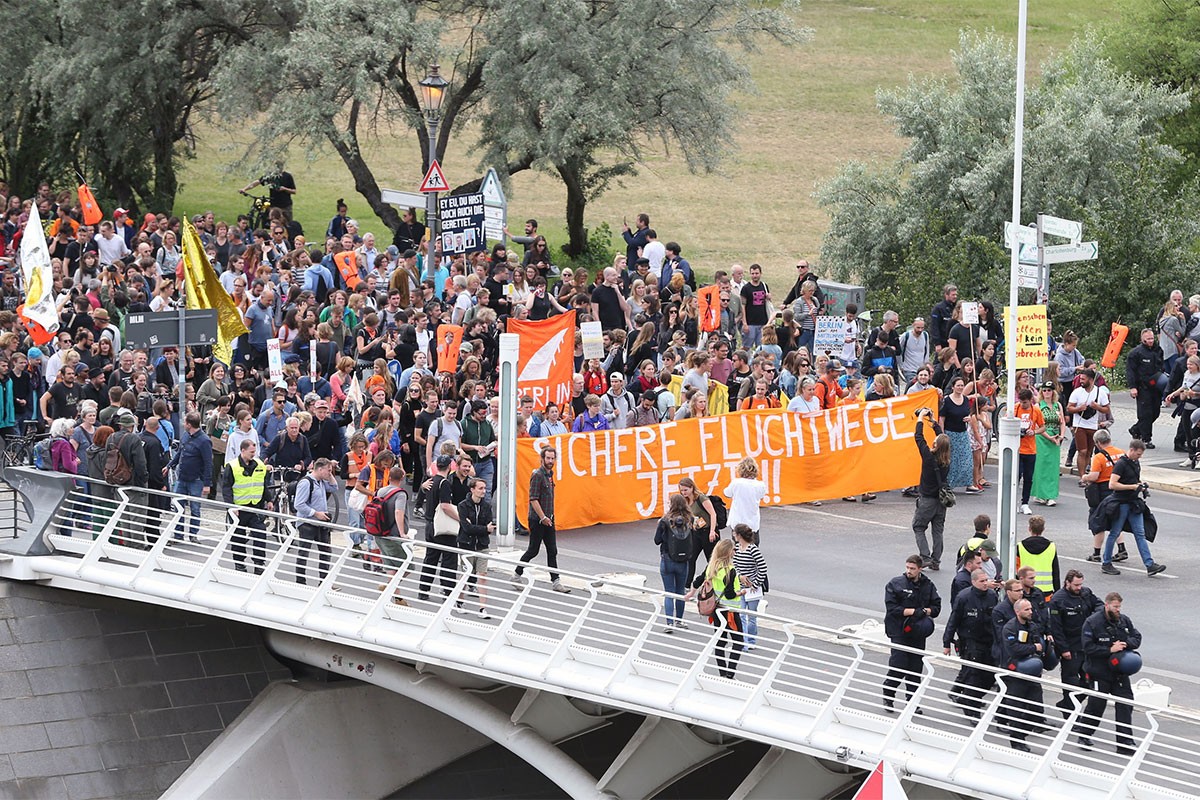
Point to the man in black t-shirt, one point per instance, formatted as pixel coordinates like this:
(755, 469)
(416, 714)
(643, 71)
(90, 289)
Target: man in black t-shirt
(755, 296)
(441, 526)
(62, 400)
(1126, 484)
(421, 422)
(608, 304)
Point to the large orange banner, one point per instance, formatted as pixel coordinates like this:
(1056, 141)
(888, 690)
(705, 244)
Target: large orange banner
(546, 359)
(628, 475)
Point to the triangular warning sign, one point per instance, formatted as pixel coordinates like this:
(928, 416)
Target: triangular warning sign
(882, 784)
(435, 179)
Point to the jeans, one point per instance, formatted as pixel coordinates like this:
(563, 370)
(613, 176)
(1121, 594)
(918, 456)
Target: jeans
(357, 536)
(752, 337)
(674, 578)
(1025, 464)
(192, 488)
(930, 511)
(312, 535)
(805, 342)
(750, 621)
(1126, 511)
(485, 469)
(539, 533)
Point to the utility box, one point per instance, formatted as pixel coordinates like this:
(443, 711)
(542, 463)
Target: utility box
(837, 295)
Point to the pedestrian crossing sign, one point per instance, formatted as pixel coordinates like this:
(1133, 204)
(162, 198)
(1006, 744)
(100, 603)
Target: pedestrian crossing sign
(435, 179)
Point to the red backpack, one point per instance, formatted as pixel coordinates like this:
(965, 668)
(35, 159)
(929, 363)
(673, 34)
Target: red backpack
(379, 516)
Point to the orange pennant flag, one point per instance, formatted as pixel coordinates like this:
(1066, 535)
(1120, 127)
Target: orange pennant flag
(87, 203)
(449, 338)
(547, 358)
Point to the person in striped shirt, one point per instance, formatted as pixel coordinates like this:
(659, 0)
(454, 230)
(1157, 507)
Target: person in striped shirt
(752, 569)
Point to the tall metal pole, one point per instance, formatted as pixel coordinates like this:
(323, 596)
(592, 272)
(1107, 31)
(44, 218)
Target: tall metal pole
(181, 383)
(433, 120)
(1010, 426)
(506, 451)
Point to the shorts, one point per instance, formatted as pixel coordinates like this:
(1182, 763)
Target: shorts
(477, 564)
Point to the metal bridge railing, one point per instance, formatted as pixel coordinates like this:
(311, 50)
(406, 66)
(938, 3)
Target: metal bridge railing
(802, 686)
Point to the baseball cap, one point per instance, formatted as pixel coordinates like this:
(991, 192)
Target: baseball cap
(834, 364)
(444, 461)
(120, 212)
(1047, 385)
(616, 376)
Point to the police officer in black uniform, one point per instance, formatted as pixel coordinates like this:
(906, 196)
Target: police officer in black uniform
(1021, 710)
(1001, 614)
(1106, 634)
(912, 602)
(971, 619)
(1070, 607)
(1143, 366)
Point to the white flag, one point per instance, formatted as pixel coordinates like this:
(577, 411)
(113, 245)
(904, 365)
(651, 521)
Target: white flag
(39, 275)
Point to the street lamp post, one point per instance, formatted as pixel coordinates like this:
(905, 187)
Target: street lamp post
(1010, 426)
(433, 91)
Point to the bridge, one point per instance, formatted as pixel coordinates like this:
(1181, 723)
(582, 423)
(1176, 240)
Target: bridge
(811, 695)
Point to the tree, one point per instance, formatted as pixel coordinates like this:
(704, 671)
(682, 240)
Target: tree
(1093, 151)
(604, 76)
(98, 92)
(580, 88)
(1157, 42)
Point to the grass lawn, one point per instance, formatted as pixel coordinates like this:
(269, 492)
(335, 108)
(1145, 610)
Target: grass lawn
(813, 110)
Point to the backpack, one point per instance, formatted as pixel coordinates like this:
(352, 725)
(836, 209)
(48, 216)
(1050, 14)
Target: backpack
(41, 454)
(720, 510)
(679, 542)
(706, 599)
(378, 517)
(117, 469)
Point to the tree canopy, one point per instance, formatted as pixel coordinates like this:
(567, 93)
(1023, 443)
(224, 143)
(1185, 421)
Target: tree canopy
(1093, 152)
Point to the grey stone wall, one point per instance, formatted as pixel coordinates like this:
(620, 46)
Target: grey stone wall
(108, 698)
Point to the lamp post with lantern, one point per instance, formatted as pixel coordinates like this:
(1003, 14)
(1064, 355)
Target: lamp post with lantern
(433, 92)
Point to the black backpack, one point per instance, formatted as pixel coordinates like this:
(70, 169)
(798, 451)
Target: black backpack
(679, 542)
(720, 510)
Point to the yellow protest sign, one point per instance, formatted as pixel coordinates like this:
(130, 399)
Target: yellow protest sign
(1030, 346)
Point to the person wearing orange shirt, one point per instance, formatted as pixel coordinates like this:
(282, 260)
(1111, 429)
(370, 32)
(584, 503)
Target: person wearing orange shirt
(1096, 480)
(1032, 423)
(829, 391)
(760, 398)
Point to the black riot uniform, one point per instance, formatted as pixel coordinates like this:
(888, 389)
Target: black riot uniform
(971, 621)
(911, 631)
(1068, 612)
(1021, 710)
(1100, 632)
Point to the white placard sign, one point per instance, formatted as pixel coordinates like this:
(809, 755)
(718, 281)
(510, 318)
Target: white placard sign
(274, 360)
(593, 340)
(830, 335)
(970, 313)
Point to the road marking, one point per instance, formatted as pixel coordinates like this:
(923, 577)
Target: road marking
(1085, 561)
(810, 510)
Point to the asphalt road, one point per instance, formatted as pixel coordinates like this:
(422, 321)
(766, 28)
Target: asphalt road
(829, 565)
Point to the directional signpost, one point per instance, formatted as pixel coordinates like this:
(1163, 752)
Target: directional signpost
(1034, 256)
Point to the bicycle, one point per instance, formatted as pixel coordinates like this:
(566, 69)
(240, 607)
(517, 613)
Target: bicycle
(18, 452)
(259, 212)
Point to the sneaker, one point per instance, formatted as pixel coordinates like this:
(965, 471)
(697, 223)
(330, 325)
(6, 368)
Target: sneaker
(1154, 569)
(889, 706)
(1019, 745)
(1085, 743)
(911, 491)
(1151, 446)
(483, 613)
(973, 490)
(1122, 555)
(1025, 509)
(1109, 569)
(681, 625)
(1052, 503)
(1040, 501)
(868, 497)
(518, 582)
(558, 587)
(669, 629)
(1094, 557)
(851, 499)
(815, 504)
(194, 539)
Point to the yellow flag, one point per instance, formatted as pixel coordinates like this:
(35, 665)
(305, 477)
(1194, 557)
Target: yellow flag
(204, 290)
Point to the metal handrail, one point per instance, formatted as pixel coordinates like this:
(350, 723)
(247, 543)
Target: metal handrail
(580, 642)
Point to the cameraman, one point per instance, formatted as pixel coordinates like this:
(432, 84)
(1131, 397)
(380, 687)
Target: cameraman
(281, 187)
(1129, 492)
